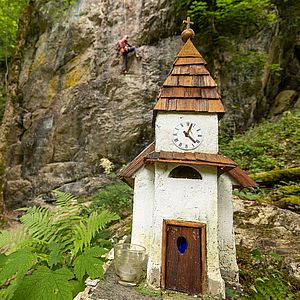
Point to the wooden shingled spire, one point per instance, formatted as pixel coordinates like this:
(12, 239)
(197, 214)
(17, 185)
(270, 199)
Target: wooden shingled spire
(189, 86)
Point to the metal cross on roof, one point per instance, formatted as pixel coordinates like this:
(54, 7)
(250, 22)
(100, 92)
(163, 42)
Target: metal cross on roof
(188, 22)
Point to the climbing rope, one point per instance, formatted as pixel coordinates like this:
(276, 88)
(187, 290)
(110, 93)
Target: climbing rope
(125, 21)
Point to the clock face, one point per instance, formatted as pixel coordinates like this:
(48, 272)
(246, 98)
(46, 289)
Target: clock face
(187, 136)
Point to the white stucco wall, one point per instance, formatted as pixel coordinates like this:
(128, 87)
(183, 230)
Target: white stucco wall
(190, 200)
(143, 199)
(227, 254)
(166, 122)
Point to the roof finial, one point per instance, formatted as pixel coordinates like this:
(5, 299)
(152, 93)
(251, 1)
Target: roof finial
(188, 33)
(188, 22)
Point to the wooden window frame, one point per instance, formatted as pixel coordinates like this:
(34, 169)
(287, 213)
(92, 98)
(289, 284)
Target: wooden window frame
(190, 224)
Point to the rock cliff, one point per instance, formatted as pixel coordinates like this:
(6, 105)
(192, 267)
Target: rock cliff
(74, 106)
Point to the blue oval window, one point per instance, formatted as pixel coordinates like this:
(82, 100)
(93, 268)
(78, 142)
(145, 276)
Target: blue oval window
(182, 244)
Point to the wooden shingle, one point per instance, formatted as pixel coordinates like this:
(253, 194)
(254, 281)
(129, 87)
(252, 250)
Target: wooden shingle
(189, 86)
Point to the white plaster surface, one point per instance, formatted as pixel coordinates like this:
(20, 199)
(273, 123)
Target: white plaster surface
(227, 254)
(190, 200)
(166, 122)
(143, 207)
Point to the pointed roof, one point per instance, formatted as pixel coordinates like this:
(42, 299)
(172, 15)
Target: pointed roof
(224, 164)
(189, 86)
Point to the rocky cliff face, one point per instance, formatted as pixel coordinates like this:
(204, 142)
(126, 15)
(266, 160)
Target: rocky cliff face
(74, 106)
(253, 87)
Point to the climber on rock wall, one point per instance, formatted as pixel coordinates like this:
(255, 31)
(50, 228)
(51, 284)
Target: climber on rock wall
(124, 48)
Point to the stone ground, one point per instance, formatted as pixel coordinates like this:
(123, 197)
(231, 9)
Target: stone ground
(109, 289)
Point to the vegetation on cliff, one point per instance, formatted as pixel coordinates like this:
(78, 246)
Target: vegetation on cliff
(270, 152)
(270, 145)
(221, 24)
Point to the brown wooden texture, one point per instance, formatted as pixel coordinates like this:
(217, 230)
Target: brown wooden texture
(171, 81)
(189, 162)
(189, 50)
(191, 158)
(163, 254)
(190, 70)
(223, 163)
(185, 272)
(215, 106)
(134, 165)
(242, 178)
(189, 80)
(189, 92)
(180, 61)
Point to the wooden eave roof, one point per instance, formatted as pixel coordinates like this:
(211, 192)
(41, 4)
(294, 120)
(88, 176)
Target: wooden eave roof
(242, 178)
(189, 86)
(224, 164)
(192, 158)
(136, 163)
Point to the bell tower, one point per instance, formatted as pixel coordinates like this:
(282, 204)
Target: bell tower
(186, 113)
(182, 212)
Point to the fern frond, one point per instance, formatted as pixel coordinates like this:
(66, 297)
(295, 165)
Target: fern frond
(70, 214)
(12, 240)
(64, 199)
(38, 222)
(84, 232)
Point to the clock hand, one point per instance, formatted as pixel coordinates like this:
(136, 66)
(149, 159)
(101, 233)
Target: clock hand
(189, 129)
(191, 139)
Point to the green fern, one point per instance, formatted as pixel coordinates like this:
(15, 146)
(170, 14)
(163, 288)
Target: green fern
(64, 199)
(12, 240)
(60, 238)
(37, 221)
(85, 231)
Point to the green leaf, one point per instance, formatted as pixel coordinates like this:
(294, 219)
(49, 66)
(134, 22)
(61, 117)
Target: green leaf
(18, 262)
(89, 263)
(12, 240)
(85, 231)
(78, 286)
(55, 256)
(46, 284)
(256, 254)
(3, 259)
(8, 292)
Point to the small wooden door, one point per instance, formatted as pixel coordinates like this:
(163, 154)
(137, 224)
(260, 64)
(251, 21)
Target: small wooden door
(184, 262)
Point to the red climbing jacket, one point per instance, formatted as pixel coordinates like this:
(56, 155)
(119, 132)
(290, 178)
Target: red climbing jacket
(122, 43)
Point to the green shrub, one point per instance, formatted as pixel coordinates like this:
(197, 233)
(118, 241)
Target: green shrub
(115, 197)
(267, 146)
(271, 287)
(261, 275)
(251, 194)
(53, 252)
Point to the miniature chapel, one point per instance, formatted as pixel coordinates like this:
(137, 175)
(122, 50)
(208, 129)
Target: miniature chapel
(182, 209)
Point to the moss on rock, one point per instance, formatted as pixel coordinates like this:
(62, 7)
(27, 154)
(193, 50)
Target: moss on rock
(277, 176)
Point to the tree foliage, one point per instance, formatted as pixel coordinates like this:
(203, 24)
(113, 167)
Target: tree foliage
(222, 24)
(9, 17)
(227, 18)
